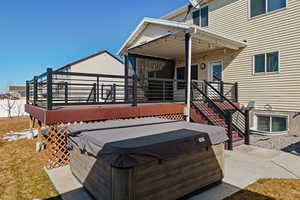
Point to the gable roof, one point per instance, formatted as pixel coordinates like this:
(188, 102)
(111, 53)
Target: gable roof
(178, 25)
(141, 27)
(88, 57)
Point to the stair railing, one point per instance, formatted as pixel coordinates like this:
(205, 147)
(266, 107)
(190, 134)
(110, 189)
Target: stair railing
(240, 119)
(222, 114)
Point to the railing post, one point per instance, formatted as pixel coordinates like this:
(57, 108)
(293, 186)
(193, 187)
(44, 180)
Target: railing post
(222, 90)
(35, 90)
(229, 130)
(98, 82)
(66, 93)
(126, 77)
(247, 127)
(95, 92)
(49, 89)
(236, 91)
(114, 93)
(102, 91)
(164, 91)
(27, 92)
(134, 91)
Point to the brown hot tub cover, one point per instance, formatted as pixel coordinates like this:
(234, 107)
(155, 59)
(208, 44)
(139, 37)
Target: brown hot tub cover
(128, 143)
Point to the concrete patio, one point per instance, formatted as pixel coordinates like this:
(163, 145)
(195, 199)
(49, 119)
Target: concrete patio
(243, 166)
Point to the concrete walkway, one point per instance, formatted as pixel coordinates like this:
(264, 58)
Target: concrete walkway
(243, 166)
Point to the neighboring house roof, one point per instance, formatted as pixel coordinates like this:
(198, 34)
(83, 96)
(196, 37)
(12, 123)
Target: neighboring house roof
(174, 24)
(16, 88)
(88, 57)
(8, 96)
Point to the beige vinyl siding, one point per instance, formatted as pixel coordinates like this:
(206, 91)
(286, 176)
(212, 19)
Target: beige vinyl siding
(100, 64)
(277, 31)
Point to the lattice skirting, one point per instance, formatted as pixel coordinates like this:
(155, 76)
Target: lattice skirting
(56, 146)
(177, 117)
(56, 142)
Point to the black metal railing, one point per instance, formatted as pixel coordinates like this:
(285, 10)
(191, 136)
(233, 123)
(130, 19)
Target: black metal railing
(55, 88)
(240, 119)
(203, 103)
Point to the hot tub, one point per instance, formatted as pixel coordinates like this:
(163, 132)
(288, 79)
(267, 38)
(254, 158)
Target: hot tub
(146, 158)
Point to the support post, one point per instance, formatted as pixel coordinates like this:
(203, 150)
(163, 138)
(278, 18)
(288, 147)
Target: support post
(66, 93)
(49, 89)
(39, 144)
(31, 123)
(188, 63)
(126, 68)
(164, 91)
(229, 130)
(222, 90)
(236, 91)
(134, 90)
(27, 92)
(35, 90)
(247, 127)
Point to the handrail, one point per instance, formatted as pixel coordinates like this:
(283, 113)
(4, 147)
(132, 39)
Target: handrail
(207, 98)
(232, 104)
(242, 133)
(221, 112)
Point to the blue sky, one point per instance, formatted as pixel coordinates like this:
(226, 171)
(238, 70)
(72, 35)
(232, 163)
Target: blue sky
(36, 34)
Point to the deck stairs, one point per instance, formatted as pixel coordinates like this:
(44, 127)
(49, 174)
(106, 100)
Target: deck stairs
(215, 109)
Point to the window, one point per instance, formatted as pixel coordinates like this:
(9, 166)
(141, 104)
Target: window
(271, 123)
(268, 62)
(200, 17)
(259, 7)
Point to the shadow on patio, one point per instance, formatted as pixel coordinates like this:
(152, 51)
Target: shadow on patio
(293, 148)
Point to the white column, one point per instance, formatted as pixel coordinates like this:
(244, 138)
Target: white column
(188, 48)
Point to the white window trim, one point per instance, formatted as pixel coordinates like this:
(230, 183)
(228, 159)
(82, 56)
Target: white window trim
(266, 11)
(265, 72)
(271, 115)
(209, 77)
(200, 21)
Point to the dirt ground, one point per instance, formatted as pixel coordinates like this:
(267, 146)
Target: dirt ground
(21, 168)
(270, 189)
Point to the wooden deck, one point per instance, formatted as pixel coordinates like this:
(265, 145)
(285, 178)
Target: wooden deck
(68, 114)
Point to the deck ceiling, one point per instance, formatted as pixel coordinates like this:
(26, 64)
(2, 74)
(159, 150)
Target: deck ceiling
(172, 46)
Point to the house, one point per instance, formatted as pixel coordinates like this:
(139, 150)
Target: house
(17, 91)
(254, 44)
(102, 62)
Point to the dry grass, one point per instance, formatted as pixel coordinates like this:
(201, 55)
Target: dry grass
(21, 168)
(270, 189)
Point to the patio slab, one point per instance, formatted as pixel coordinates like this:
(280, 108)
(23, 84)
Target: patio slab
(243, 166)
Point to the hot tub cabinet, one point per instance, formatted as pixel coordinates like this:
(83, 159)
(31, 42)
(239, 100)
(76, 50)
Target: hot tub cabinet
(168, 178)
